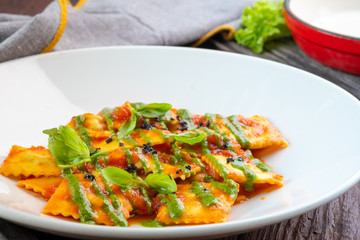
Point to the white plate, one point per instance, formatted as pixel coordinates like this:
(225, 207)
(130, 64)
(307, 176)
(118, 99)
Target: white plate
(320, 120)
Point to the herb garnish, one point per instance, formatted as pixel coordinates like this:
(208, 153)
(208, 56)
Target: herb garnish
(191, 138)
(153, 110)
(161, 183)
(127, 127)
(262, 23)
(121, 177)
(68, 148)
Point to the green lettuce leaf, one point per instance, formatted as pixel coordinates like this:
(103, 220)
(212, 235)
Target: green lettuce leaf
(262, 23)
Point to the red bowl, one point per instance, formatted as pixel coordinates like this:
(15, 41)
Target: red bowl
(333, 45)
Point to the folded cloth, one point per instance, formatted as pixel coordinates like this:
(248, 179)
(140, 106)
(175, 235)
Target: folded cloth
(96, 23)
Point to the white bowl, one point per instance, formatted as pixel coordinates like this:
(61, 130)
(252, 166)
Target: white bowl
(327, 31)
(320, 120)
(337, 16)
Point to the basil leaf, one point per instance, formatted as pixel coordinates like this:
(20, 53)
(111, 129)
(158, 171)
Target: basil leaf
(153, 110)
(161, 183)
(138, 105)
(127, 127)
(133, 110)
(120, 177)
(190, 137)
(67, 147)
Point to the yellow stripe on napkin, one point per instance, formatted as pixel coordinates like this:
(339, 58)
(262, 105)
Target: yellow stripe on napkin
(227, 32)
(62, 25)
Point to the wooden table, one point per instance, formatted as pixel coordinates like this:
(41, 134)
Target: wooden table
(339, 219)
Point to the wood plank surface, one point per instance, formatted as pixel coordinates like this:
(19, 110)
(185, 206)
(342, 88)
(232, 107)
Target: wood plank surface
(30, 7)
(339, 219)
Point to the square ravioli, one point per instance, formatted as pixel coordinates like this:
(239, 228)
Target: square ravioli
(197, 208)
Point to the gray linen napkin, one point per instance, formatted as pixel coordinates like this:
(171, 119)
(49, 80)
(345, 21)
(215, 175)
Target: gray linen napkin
(114, 22)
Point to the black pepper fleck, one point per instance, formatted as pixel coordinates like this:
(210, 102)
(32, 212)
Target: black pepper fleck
(226, 145)
(206, 190)
(156, 119)
(131, 168)
(183, 129)
(109, 140)
(184, 124)
(208, 123)
(230, 159)
(147, 126)
(147, 148)
(121, 144)
(201, 123)
(90, 177)
(178, 171)
(188, 167)
(154, 152)
(240, 159)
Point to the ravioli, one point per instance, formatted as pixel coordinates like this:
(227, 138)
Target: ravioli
(239, 176)
(262, 133)
(194, 209)
(34, 161)
(163, 163)
(46, 186)
(61, 202)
